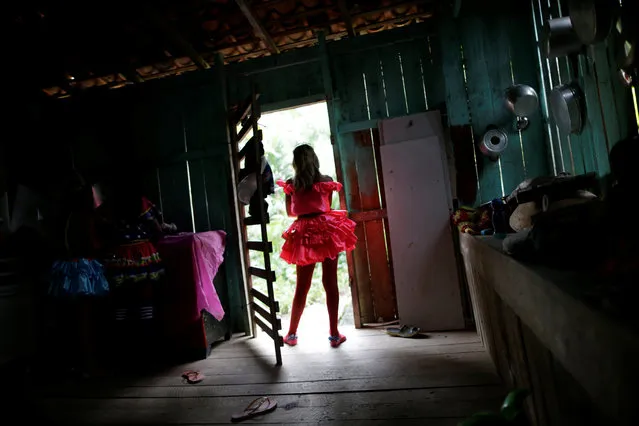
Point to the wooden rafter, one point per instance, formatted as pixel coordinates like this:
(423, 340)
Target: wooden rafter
(331, 22)
(346, 16)
(176, 38)
(257, 26)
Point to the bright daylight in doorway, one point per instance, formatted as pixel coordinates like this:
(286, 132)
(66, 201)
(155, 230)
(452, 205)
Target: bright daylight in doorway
(283, 131)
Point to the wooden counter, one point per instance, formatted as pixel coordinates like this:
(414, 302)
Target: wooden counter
(579, 362)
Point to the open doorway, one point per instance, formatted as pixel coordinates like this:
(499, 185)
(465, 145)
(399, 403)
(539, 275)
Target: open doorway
(283, 130)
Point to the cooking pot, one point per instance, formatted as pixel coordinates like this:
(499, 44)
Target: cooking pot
(559, 38)
(568, 108)
(592, 19)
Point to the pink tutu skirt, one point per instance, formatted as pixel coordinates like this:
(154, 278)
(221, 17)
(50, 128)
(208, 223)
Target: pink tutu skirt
(313, 239)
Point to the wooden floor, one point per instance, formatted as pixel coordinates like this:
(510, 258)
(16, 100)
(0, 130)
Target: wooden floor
(371, 379)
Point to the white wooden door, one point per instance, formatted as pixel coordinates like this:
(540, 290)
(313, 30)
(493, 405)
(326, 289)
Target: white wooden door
(419, 203)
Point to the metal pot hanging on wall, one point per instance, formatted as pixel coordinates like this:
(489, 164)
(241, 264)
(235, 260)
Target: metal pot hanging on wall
(559, 38)
(592, 19)
(568, 108)
(493, 143)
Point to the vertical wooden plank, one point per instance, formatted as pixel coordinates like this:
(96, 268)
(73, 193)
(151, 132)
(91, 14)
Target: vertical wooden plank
(575, 141)
(542, 380)
(198, 196)
(552, 11)
(431, 59)
(585, 139)
(500, 76)
(599, 152)
(393, 81)
(475, 50)
(374, 84)
(519, 364)
(237, 280)
(412, 66)
(150, 186)
(541, 15)
(452, 65)
(198, 109)
(332, 107)
(214, 185)
(175, 196)
(350, 88)
(360, 256)
(532, 141)
(464, 151)
(381, 283)
(622, 94)
(606, 95)
(380, 182)
(549, 132)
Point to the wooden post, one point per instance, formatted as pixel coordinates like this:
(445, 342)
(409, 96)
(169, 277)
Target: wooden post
(330, 104)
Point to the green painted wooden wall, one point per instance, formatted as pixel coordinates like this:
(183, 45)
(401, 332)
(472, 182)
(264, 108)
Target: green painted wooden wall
(609, 109)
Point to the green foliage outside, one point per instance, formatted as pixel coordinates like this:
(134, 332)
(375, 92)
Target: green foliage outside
(283, 131)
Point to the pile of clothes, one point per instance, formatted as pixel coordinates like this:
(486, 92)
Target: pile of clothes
(472, 221)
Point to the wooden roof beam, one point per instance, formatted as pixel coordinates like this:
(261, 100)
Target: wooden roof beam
(346, 16)
(176, 38)
(257, 26)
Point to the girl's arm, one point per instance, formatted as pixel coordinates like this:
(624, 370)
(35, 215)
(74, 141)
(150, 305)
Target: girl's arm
(288, 206)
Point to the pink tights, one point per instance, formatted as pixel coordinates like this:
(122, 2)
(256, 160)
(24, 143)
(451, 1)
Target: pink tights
(329, 279)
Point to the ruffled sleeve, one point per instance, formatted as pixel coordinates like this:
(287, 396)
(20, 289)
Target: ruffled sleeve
(327, 186)
(289, 189)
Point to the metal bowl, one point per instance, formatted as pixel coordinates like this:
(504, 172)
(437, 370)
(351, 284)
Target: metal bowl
(522, 100)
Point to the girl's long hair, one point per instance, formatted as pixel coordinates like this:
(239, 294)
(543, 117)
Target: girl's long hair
(306, 165)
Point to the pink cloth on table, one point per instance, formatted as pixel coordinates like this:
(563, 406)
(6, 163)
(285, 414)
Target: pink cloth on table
(191, 289)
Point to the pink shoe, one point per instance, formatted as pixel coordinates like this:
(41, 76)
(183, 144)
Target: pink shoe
(291, 339)
(337, 340)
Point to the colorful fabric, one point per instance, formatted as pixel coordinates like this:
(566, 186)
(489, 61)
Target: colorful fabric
(313, 239)
(77, 277)
(192, 262)
(135, 262)
(127, 231)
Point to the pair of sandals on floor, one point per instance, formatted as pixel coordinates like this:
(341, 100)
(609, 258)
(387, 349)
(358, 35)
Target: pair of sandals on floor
(291, 340)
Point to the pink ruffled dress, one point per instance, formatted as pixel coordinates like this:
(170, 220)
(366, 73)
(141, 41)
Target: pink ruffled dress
(318, 233)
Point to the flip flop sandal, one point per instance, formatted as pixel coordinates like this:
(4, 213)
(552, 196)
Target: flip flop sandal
(192, 377)
(404, 331)
(258, 407)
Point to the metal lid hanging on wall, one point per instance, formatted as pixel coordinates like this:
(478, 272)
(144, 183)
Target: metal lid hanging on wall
(493, 143)
(568, 108)
(522, 100)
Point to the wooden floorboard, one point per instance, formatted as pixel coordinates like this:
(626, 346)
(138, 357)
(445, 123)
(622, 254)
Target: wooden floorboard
(396, 404)
(372, 379)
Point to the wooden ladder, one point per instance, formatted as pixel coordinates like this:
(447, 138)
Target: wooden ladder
(265, 313)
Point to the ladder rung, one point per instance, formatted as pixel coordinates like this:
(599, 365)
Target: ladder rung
(261, 273)
(254, 220)
(242, 153)
(264, 299)
(260, 246)
(261, 297)
(243, 109)
(266, 316)
(246, 127)
(275, 336)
